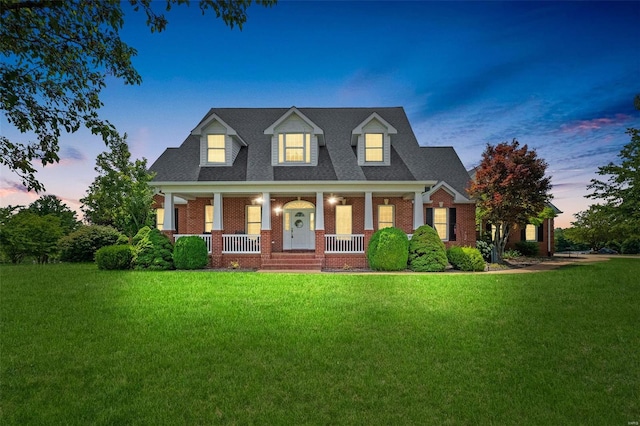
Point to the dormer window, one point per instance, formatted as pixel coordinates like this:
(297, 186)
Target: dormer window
(216, 152)
(294, 148)
(372, 138)
(373, 147)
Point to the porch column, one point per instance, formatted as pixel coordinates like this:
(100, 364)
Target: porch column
(418, 215)
(217, 212)
(319, 211)
(169, 213)
(216, 232)
(266, 211)
(368, 211)
(320, 243)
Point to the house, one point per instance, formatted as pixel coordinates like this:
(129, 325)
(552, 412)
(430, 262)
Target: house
(307, 187)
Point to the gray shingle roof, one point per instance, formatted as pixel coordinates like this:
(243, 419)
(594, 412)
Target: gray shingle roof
(337, 159)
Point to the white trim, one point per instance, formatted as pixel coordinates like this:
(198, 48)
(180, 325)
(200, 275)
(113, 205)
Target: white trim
(375, 116)
(214, 117)
(293, 110)
(457, 197)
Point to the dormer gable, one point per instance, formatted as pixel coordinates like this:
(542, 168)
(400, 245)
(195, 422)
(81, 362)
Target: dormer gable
(373, 141)
(219, 142)
(295, 140)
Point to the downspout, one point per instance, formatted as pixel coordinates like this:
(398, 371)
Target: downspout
(549, 237)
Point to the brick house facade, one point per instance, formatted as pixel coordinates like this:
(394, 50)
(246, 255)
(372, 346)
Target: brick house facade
(267, 186)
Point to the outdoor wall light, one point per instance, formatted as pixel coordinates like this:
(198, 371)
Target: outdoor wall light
(277, 210)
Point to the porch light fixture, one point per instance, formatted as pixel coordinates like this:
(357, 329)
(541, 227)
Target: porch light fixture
(332, 199)
(259, 200)
(386, 201)
(277, 210)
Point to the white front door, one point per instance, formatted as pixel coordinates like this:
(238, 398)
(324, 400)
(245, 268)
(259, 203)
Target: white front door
(299, 234)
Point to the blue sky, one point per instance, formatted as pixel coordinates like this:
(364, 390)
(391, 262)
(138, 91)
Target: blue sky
(558, 76)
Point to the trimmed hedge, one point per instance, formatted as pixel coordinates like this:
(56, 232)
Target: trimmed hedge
(154, 250)
(528, 248)
(190, 253)
(81, 245)
(115, 257)
(426, 251)
(388, 250)
(466, 259)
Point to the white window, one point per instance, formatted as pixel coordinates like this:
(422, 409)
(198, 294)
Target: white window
(216, 149)
(531, 232)
(373, 147)
(160, 219)
(386, 216)
(343, 220)
(208, 218)
(294, 148)
(440, 222)
(254, 220)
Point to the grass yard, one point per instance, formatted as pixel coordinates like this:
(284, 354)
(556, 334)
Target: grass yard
(83, 346)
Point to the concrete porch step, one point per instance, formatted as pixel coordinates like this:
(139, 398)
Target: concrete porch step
(292, 261)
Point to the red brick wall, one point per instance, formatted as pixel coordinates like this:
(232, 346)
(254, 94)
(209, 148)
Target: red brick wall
(543, 248)
(465, 218)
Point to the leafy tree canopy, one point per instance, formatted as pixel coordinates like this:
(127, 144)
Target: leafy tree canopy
(120, 196)
(55, 57)
(510, 188)
(50, 204)
(29, 234)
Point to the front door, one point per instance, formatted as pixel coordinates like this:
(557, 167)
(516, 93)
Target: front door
(298, 230)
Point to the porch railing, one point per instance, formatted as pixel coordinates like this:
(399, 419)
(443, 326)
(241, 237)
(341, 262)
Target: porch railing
(344, 243)
(205, 237)
(240, 243)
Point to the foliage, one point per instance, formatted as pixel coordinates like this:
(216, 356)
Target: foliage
(120, 195)
(27, 234)
(614, 245)
(115, 257)
(57, 58)
(388, 250)
(426, 251)
(81, 245)
(466, 259)
(190, 253)
(154, 250)
(485, 249)
(621, 191)
(50, 204)
(511, 254)
(631, 245)
(510, 188)
(564, 243)
(528, 248)
(592, 227)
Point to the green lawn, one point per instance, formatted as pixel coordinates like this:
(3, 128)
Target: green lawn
(81, 346)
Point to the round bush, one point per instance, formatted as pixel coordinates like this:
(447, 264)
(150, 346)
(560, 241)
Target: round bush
(426, 251)
(466, 258)
(81, 245)
(115, 257)
(631, 245)
(388, 250)
(154, 250)
(190, 253)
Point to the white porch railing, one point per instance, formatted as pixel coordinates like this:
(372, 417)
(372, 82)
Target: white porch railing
(240, 243)
(344, 243)
(205, 237)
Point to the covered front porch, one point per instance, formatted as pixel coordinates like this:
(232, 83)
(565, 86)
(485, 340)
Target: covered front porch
(333, 226)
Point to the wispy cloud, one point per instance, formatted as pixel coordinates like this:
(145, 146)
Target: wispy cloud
(9, 187)
(581, 126)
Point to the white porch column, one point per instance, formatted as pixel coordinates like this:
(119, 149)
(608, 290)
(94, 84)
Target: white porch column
(266, 211)
(217, 212)
(169, 213)
(368, 211)
(418, 213)
(319, 211)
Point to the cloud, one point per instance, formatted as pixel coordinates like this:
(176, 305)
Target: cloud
(9, 187)
(581, 126)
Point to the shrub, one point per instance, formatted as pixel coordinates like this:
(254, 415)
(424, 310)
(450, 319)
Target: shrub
(528, 248)
(614, 245)
(190, 253)
(115, 257)
(485, 249)
(388, 250)
(511, 254)
(81, 245)
(426, 251)
(631, 245)
(466, 258)
(153, 250)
